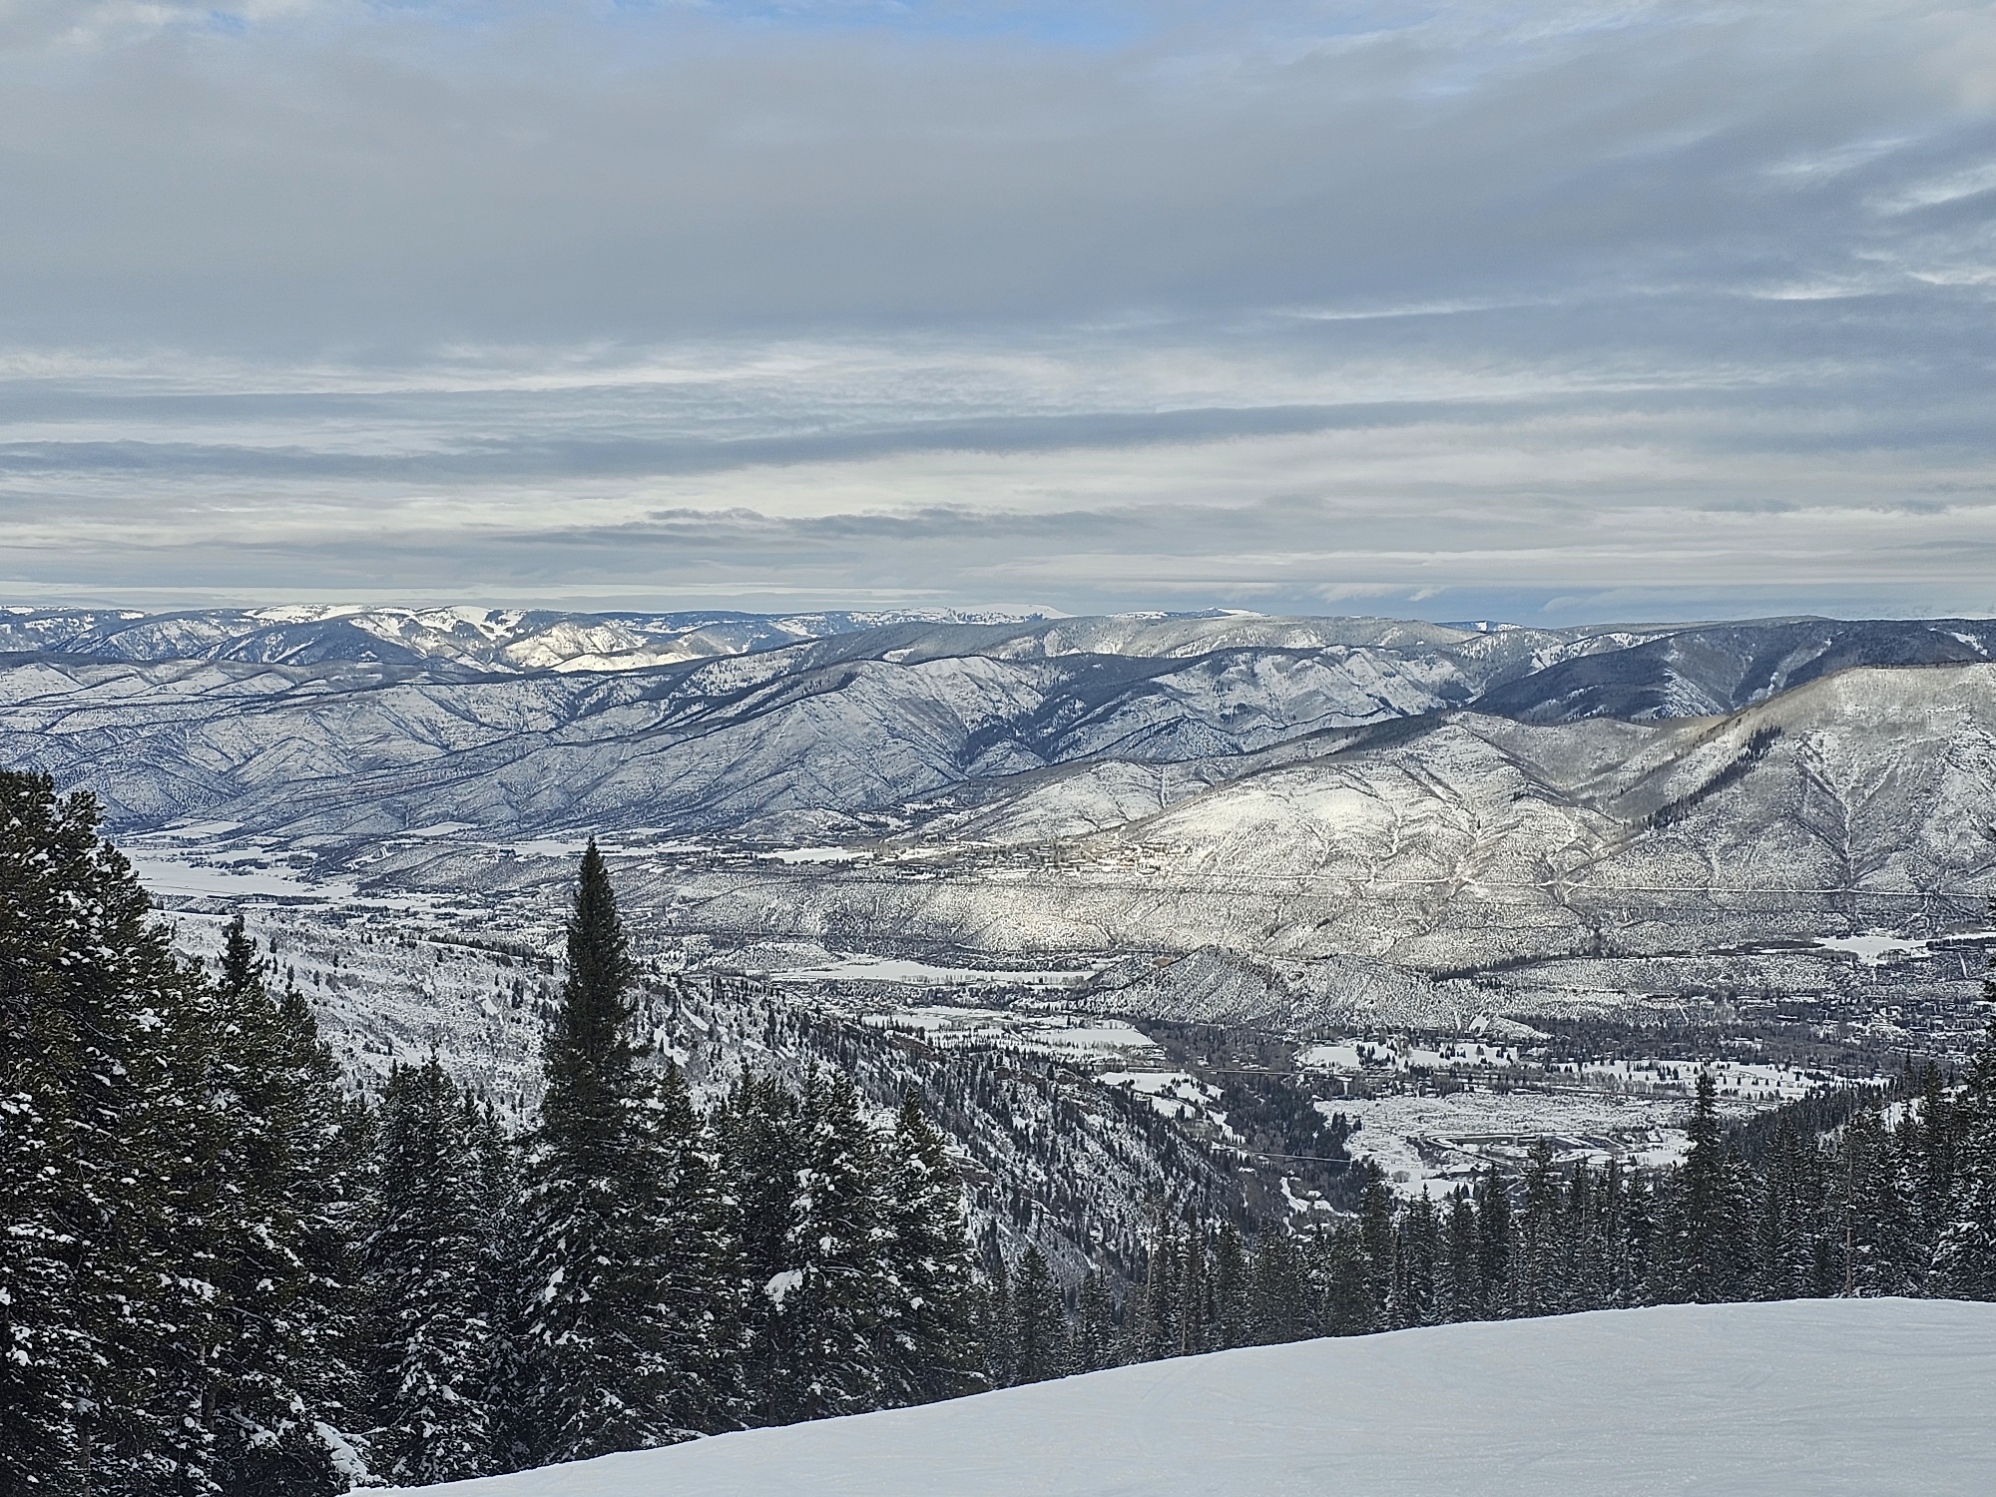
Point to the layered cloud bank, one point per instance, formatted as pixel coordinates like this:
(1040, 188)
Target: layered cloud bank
(1549, 311)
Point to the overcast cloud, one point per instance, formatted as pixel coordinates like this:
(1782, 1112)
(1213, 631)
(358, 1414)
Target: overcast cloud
(1541, 311)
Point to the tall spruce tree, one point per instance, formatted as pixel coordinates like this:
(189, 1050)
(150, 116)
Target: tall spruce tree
(1041, 1323)
(1094, 1337)
(1699, 1245)
(600, 1330)
(929, 1347)
(93, 1099)
(499, 1221)
(430, 1335)
(171, 1154)
(1233, 1300)
(1494, 1245)
(760, 1133)
(1460, 1294)
(841, 1302)
(283, 1393)
(1964, 1263)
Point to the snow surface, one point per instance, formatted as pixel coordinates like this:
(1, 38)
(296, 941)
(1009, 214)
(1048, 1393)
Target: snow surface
(1875, 949)
(1806, 1399)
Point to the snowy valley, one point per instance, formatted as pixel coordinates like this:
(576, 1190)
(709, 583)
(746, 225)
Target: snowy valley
(1090, 854)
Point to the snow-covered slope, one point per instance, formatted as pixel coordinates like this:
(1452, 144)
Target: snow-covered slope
(1462, 840)
(1805, 1399)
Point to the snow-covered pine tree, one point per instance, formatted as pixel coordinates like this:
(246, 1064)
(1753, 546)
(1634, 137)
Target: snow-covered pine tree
(1040, 1320)
(1932, 1143)
(684, 1261)
(841, 1300)
(505, 1386)
(1000, 1325)
(1232, 1293)
(1537, 1284)
(1342, 1274)
(1459, 1293)
(598, 1331)
(1964, 1264)
(1095, 1325)
(929, 1347)
(429, 1336)
(1586, 1267)
(1416, 1297)
(86, 987)
(1634, 1249)
(760, 1136)
(1151, 1332)
(282, 1394)
(1376, 1240)
(1280, 1290)
(1876, 1207)
(1194, 1310)
(1698, 1250)
(1494, 1245)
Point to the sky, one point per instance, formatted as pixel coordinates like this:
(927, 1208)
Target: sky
(1552, 312)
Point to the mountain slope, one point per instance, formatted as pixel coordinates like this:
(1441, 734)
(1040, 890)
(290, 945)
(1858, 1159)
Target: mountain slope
(1461, 840)
(1803, 1399)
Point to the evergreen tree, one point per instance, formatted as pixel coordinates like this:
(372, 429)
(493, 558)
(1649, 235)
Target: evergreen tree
(1001, 1327)
(761, 1138)
(1152, 1332)
(1094, 1326)
(172, 1157)
(1343, 1271)
(841, 1301)
(1877, 1207)
(1233, 1303)
(87, 989)
(602, 1325)
(1493, 1244)
(930, 1347)
(1536, 1281)
(282, 1394)
(1460, 1290)
(1041, 1334)
(1279, 1291)
(1964, 1264)
(430, 1336)
(506, 1379)
(1417, 1257)
(1193, 1312)
(1700, 1246)
(1377, 1241)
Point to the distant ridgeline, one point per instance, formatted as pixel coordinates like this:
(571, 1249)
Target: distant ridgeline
(221, 1274)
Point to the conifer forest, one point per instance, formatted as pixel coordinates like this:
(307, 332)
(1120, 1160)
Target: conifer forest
(225, 1271)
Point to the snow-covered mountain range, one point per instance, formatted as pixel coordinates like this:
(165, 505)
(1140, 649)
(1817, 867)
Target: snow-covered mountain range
(1440, 798)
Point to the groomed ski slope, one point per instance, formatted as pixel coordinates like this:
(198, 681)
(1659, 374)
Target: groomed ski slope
(1886, 1398)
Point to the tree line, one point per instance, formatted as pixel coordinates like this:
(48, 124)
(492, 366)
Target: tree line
(1898, 1197)
(221, 1272)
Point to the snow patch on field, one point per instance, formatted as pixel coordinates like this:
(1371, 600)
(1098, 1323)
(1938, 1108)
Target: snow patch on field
(1436, 1143)
(862, 968)
(1876, 951)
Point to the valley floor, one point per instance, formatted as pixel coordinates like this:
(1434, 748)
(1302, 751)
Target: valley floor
(1809, 1398)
